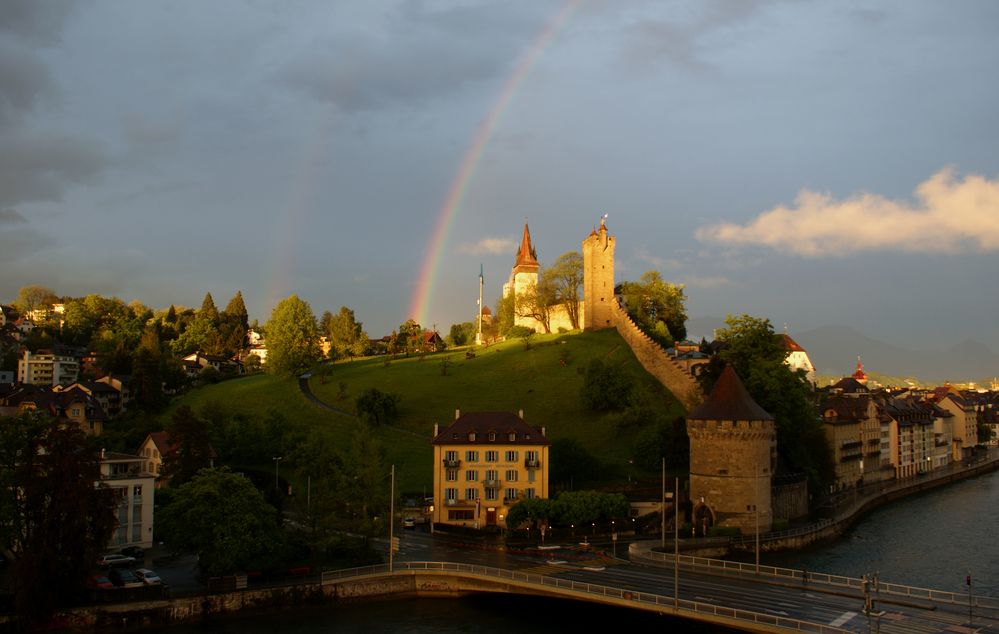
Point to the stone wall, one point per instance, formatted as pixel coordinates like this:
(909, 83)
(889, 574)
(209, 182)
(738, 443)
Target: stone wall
(790, 501)
(655, 360)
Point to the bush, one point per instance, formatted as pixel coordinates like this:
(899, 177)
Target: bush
(724, 531)
(780, 524)
(605, 387)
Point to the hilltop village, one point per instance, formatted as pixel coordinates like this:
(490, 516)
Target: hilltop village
(747, 458)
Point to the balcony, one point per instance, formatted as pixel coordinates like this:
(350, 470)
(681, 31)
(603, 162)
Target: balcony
(451, 463)
(507, 500)
(851, 445)
(491, 484)
(450, 501)
(532, 463)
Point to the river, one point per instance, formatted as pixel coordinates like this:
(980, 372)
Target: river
(930, 540)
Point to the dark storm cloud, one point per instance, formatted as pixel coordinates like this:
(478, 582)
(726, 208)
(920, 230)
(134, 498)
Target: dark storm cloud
(41, 166)
(419, 55)
(11, 217)
(25, 80)
(34, 20)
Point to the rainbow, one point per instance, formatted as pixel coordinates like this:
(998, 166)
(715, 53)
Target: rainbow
(419, 306)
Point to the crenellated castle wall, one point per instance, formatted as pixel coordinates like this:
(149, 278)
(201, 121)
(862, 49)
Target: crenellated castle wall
(655, 360)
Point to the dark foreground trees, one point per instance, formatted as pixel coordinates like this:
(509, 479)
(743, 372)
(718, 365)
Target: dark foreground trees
(55, 519)
(221, 516)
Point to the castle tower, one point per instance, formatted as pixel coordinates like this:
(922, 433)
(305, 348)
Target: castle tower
(598, 278)
(730, 459)
(525, 269)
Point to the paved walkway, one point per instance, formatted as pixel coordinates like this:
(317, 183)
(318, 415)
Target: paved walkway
(303, 384)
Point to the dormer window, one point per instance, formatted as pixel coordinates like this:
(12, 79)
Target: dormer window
(492, 436)
(471, 436)
(513, 436)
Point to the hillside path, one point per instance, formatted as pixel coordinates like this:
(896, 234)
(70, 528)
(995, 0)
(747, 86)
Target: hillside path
(303, 384)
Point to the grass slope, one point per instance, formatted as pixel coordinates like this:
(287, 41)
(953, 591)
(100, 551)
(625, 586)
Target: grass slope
(543, 380)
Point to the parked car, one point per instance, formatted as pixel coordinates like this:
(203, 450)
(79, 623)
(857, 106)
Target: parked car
(134, 551)
(99, 582)
(125, 578)
(148, 577)
(115, 559)
(409, 522)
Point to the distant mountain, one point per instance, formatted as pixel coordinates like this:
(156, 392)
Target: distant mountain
(834, 351)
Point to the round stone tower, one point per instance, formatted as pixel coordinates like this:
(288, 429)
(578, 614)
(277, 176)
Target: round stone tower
(598, 278)
(731, 438)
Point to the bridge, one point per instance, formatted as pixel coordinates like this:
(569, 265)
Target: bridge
(723, 593)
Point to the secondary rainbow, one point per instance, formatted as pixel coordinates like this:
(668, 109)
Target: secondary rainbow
(423, 293)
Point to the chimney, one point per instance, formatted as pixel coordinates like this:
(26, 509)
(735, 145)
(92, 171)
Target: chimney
(435, 430)
(457, 414)
(543, 431)
(521, 414)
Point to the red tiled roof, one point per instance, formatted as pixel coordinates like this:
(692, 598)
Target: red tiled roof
(482, 423)
(729, 400)
(527, 257)
(789, 344)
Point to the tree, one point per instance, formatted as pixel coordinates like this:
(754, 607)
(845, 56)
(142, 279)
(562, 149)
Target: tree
(235, 311)
(570, 463)
(225, 520)
(566, 277)
(192, 445)
(605, 387)
(377, 407)
(292, 337)
(757, 356)
(208, 309)
(533, 511)
(462, 334)
(34, 297)
(504, 316)
(658, 307)
(148, 371)
(55, 520)
(538, 300)
(663, 439)
(345, 333)
(583, 507)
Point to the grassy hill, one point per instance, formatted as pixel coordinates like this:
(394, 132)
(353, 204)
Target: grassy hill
(544, 380)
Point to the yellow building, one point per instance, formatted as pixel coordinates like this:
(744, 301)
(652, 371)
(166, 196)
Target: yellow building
(484, 463)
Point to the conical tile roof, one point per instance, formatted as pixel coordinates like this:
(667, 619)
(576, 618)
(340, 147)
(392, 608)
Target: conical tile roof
(729, 400)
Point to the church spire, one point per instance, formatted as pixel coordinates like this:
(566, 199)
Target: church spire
(527, 257)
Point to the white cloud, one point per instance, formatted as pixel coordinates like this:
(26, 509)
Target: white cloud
(948, 215)
(488, 246)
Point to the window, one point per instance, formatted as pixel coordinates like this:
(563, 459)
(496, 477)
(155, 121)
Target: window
(471, 456)
(76, 411)
(511, 456)
(492, 456)
(460, 515)
(512, 436)
(137, 491)
(490, 494)
(531, 456)
(471, 475)
(452, 475)
(529, 493)
(492, 436)
(492, 475)
(471, 494)
(530, 475)
(510, 494)
(451, 494)
(450, 455)
(471, 436)
(511, 475)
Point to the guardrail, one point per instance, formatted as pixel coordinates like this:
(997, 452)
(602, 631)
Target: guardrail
(705, 564)
(645, 599)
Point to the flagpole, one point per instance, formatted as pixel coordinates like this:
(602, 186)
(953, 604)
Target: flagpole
(478, 336)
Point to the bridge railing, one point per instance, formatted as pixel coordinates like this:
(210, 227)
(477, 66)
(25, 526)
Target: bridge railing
(721, 566)
(662, 602)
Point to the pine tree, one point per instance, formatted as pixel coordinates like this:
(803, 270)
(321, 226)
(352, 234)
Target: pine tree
(208, 309)
(235, 310)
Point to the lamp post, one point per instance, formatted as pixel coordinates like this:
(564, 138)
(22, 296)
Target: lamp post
(757, 505)
(277, 463)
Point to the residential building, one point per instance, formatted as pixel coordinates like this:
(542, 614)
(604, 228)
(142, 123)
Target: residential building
(68, 406)
(158, 448)
(912, 436)
(134, 491)
(484, 463)
(853, 429)
(47, 368)
(123, 384)
(797, 357)
(964, 430)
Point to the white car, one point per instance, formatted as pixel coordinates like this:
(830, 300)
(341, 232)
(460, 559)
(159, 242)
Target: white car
(115, 559)
(148, 577)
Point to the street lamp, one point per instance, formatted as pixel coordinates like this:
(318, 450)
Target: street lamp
(277, 463)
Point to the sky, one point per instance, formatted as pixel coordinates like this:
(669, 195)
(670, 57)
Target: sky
(815, 163)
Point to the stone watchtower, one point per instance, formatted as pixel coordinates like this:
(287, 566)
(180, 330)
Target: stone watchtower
(598, 278)
(731, 440)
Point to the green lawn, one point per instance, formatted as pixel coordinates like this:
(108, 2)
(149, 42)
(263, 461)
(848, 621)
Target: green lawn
(544, 381)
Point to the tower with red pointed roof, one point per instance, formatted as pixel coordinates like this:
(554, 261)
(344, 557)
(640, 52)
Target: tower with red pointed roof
(732, 449)
(860, 375)
(524, 274)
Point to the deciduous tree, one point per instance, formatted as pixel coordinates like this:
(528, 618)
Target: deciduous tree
(55, 519)
(292, 337)
(225, 520)
(566, 276)
(657, 306)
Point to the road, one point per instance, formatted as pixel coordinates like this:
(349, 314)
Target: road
(830, 605)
